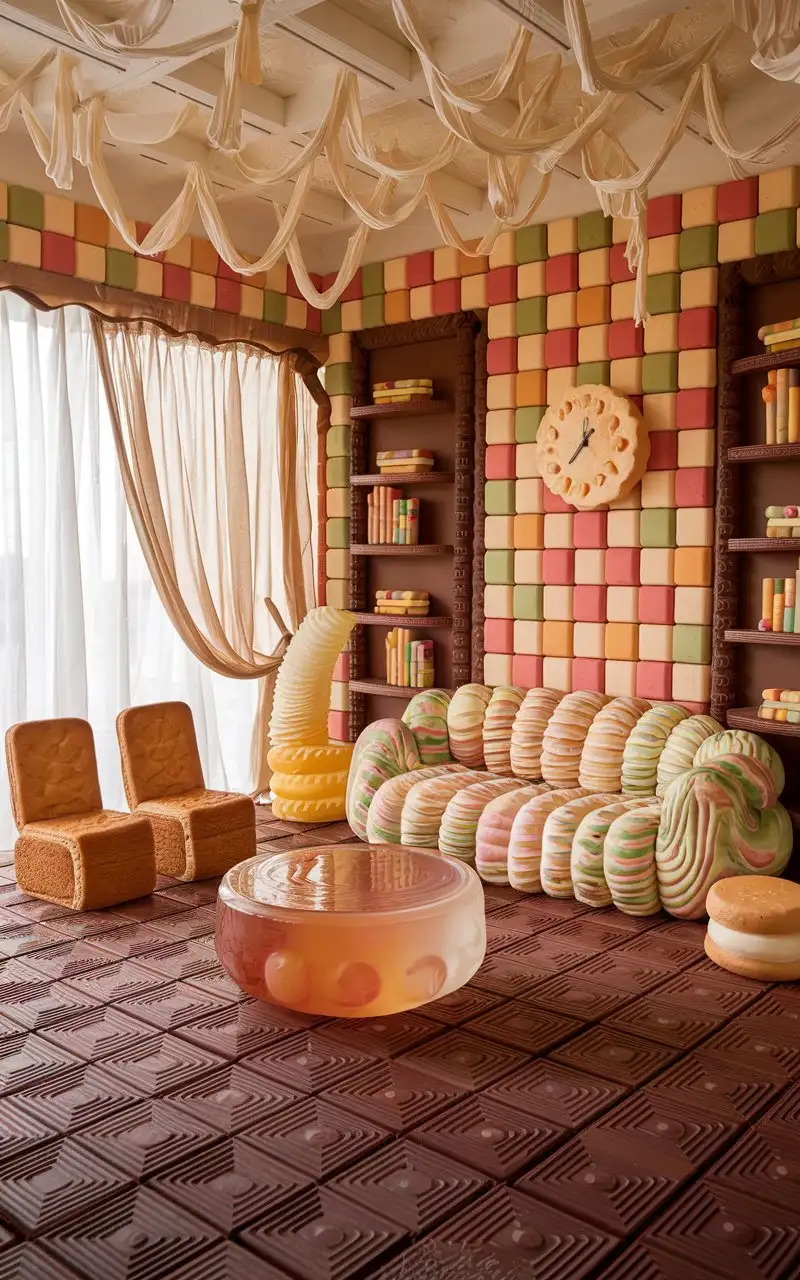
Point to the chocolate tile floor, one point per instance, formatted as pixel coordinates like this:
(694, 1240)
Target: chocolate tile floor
(600, 1101)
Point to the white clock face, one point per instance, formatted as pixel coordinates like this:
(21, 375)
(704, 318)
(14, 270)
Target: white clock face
(592, 447)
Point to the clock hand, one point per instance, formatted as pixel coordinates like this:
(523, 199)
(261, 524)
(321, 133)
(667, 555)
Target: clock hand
(582, 445)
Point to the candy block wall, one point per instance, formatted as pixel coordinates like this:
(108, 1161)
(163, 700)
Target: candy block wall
(56, 234)
(618, 600)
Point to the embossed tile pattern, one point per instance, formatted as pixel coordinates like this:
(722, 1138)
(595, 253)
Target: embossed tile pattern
(599, 1103)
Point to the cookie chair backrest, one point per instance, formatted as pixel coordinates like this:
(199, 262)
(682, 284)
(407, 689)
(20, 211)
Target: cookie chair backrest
(158, 749)
(52, 770)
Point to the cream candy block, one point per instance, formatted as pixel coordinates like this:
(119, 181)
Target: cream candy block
(643, 749)
(601, 758)
(385, 813)
(503, 706)
(557, 836)
(465, 716)
(425, 804)
(629, 861)
(527, 731)
(525, 845)
(565, 735)
(586, 860)
(494, 832)
(681, 747)
(459, 826)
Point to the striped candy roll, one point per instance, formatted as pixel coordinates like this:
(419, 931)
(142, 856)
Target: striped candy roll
(494, 832)
(503, 706)
(682, 744)
(383, 750)
(601, 758)
(426, 717)
(528, 729)
(385, 813)
(557, 836)
(565, 735)
(586, 860)
(739, 742)
(629, 860)
(646, 741)
(425, 804)
(525, 845)
(718, 819)
(465, 716)
(459, 826)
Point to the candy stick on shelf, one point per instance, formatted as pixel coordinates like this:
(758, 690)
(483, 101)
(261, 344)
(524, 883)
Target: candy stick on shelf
(789, 605)
(794, 406)
(767, 598)
(782, 412)
(769, 395)
(778, 602)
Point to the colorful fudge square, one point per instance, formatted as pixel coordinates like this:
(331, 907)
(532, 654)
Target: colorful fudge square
(446, 266)
(693, 567)
(655, 641)
(598, 372)
(531, 280)
(498, 635)
(697, 369)
(593, 343)
(530, 351)
(527, 636)
(561, 348)
(593, 268)
(660, 411)
(559, 381)
(531, 243)
(694, 487)
(736, 240)
(589, 528)
(562, 311)
(621, 604)
(663, 292)
(697, 328)
(588, 673)
(446, 297)
(695, 408)
(58, 253)
(663, 215)
(663, 254)
(776, 231)
(657, 527)
(527, 671)
(656, 604)
(500, 462)
(526, 423)
(660, 372)
(397, 306)
(558, 602)
(557, 673)
(498, 601)
(618, 269)
(499, 497)
(528, 566)
(561, 274)
(531, 387)
(699, 207)
(590, 566)
(497, 668)
(699, 288)
(622, 641)
(498, 532)
(558, 566)
(622, 529)
(501, 391)
(657, 566)
(695, 527)
(594, 230)
(419, 269)
(420, 305)
(778, 190)
(529, 494)
(654, 680)
(620, 678)
(473, 292)
(530, 315)
(697, 448)
(528, 601)
(501, 356)
(625, 339)
(528, 531)
(658, 488)
(502, 321)
(663, 451)
(503, 252)
(626, 375)
(589, 602)
(622, 566)
(737, 200)
(527, 462)
(694, 605)
(623, 300)
(661, 333)
(501, 286)
(562, 237)
(698, 248)
(557, 638)
(691, 682)
(594, 305)
(588, 639)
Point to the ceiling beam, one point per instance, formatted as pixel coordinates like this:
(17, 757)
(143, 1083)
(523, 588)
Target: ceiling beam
(352, 43)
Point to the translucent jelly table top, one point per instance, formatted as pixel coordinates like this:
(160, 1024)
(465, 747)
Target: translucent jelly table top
(360, 880)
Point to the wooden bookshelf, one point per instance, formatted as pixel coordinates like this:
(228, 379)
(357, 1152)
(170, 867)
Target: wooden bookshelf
(451, 350)
(761, 637)
(764, 544)
(763, 452)
(763, 362)
(748, 718)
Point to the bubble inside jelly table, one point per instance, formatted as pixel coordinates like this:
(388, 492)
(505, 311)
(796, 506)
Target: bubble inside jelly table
(351, 930)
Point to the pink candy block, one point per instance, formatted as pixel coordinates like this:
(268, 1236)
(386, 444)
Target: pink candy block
(338, 726)
(498, 635)
(654, 680)
(663, 216)
(589, 605)
(501, 355)
(694, 487)
(697, 328)
(618, 265)
(561, 273)
(446, 297)
(625, 339)
(501, 286)
(501, 461)
(419, 270)
(589, 529)
(737, 200)
(622, 566)
(553, 503)
(663, 451)
(526, 671)
(696, 708)
(589, 673)
(657, 604)
(558, 567)
(561, 348)
(696, 408)
(341, 670)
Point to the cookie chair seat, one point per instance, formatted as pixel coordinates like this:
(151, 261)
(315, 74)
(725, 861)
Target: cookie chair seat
(70, 849)
(198, 833)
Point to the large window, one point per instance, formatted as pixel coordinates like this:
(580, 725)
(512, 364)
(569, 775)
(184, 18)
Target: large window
(83, 631)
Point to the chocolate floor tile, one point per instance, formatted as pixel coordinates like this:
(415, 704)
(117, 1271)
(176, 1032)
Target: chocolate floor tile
(765, 1164)
(45, 1006)
(467, 1061)
(757, 1044)
(76, 1098)
(557, 1094)
(236, 1030)
(690, 933)
(27, 938)
(68, 960)
(20, 1130)
(734, 1091)
(308, 1062)
(578, 996)
(700, 992)
(630, 974)
(97, 1033)
(632, 925)
(411, 1186)
(778, 1015)
(729, 1234)
(498, 938)
(787, 1111)
(626, 1059)
(505, 975)
(612, 1182)
(18, 980)
(34, 909)
(228, 1262)
(160, 1063)
(394, 1094)
(41, 1187)
(187, 924)
(545, 953)
(526, 915)
(232, 1099)
(171, 1006)
(179, 960)
(523, 1026)
(147, 1137)
(493, 1138)
(661, 950)
(684, 1130)
(110, 983)
(214, 979)
(644, 1262)
(315, 1137)
(668, 1023)
(525, 1239)
(593, 934)
(461, 1005)
(128, 942)
(229, 1184)
(383, 1037)
(27, 1059)
(83, 924)
(317, 1235)
(29, 1261)
(130, 1237)
(200, 894)
(152, 908)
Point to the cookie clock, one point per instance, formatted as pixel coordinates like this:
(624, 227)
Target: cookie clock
(592, 447)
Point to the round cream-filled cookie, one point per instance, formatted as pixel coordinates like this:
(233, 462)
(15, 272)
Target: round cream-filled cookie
(754, 927)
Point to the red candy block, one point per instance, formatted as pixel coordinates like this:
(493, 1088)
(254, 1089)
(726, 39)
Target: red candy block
(622, 566)
(561, 348)
(558, 567)
(561, 273)
(313, 320)
(177, 282)
(341, 670)
(142, 229)
(625, 339)
(229, 295)
(588, 604)
(338, 728)
(447, 297)
(618, 265)
(589, 673)
(501, 353)
(224, 271)
(501, 461)
(589, 528)
(654, 680)
(419, 269)
(695, 408)
(663, 216)
(501, 285)
(697, 328)
(526, 671)
(553, 503)
(498, 635)
(663, 451)
(58, 253)
(737, 200)
(694, 487)
(657, 604)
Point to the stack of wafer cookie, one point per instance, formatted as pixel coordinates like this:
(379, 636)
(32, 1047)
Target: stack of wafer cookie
(401, 390)
(780, 704)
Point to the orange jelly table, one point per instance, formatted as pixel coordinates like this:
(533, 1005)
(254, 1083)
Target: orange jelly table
(352, 930)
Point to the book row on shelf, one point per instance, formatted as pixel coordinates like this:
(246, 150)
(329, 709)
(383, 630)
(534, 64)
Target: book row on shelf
(409, 663)
(778, 600)
(391, 518)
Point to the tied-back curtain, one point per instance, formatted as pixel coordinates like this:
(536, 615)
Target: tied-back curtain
(215, 446)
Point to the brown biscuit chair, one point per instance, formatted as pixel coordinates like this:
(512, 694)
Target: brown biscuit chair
(70, 849)
(198, 833)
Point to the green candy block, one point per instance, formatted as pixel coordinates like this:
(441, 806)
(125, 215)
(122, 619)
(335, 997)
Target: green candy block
(697, 248)
(338, 380)
(337, 532)
(594, 231)
(526, 423)
(532, 315)
(500, 498)
(776, 231)
(274, 307)
(337, 472)
(691, 644)
(664, 293)
(660, 372)
(531, 244)
(332, 319)
(372, 279)
(26, 208)
(598, 371)
(499, 568)
(657, 527)
(120, 269)
(529, 603)
(372, 311)
(337, 442)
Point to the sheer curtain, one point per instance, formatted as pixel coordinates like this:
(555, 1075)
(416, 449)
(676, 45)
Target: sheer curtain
(82, 629)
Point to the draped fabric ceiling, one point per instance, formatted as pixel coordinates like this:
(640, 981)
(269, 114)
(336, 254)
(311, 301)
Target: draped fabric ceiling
(519, 157)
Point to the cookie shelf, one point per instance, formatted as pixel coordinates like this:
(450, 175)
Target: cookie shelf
(388, 690)
(403, 477)
(748, 718)
(402, 620)
(761, 637)
(409, 409)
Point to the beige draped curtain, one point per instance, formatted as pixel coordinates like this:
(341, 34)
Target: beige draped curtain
(216, 445)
